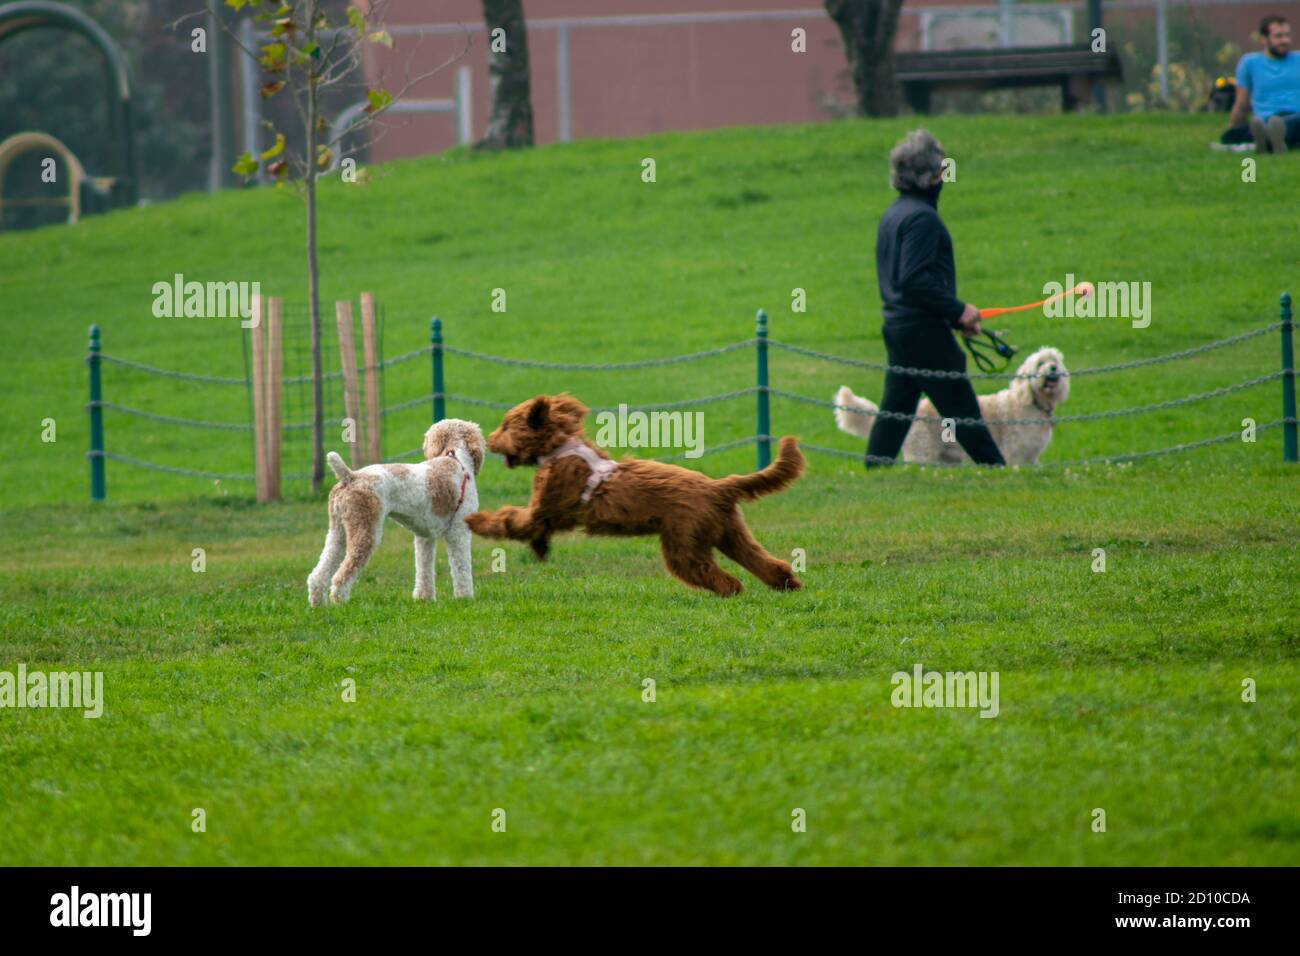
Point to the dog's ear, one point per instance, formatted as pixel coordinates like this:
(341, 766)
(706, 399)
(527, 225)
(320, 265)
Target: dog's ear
(566, 403)
(474, 441)
(1021, 391)
(1063, 386)
(435, 441)
(568, 411)
(538, 412)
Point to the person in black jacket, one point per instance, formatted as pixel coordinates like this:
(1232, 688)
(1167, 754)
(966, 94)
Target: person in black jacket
(918, 286)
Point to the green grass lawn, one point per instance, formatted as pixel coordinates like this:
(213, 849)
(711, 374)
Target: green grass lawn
(1119, 690)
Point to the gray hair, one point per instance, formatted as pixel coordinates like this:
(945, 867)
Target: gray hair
(915, 161)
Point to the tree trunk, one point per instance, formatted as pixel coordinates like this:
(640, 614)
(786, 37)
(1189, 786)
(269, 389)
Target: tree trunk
(868, 28)
(511, 123)
(313, 277)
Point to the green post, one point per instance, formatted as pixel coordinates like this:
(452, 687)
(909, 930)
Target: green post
(764, 412)
(96, 455)
(439, 401)
(1288, 383)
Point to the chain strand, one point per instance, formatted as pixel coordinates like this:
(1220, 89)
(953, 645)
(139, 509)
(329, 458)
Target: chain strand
(1041, 421)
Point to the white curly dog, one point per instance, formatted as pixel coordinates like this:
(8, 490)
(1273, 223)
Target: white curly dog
(430, 499)
(1041, 383)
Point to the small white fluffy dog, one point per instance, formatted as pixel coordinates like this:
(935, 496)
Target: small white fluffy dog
(1046, 384)
(430, 499)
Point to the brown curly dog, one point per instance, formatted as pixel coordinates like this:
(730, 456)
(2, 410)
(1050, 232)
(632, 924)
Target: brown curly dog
(578, 485)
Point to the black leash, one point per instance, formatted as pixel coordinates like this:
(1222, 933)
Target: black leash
(983, 353)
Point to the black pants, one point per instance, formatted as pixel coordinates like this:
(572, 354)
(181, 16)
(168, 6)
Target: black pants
(929, 346)
(1241, 134)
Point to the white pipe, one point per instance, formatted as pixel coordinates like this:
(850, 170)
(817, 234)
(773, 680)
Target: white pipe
(249, 94)
(464, 107)
(347, 117)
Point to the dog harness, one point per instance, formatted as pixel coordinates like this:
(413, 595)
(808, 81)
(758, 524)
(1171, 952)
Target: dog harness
(451, 453)
(601, 468)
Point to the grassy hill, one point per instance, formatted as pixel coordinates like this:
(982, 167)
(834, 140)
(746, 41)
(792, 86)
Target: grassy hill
(1120, 690)
(599, 266)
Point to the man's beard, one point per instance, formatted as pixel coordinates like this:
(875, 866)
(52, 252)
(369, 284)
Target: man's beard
(1275, 53)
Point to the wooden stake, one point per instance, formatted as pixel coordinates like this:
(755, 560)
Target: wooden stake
(348, 361)
(370, 349)
(274, 375)
(259, 400)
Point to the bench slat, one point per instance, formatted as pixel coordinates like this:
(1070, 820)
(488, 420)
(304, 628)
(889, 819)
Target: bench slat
(1009, 63)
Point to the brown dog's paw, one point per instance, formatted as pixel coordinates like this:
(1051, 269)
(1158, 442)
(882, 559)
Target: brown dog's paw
(541, 547)
(482, 523)
(785, 579)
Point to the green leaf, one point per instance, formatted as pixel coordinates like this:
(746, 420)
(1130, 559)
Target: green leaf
(272, 58)
(378, 99)
(275, 150)
(357, 19)
(324, 156)
(382, 37)
(246, 165)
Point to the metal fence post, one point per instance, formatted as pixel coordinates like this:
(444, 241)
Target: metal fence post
(439, 400)
(563, 99)
(1288, 383)
(764, 412)
(96, 455)
(464, 108)
(1162, 49)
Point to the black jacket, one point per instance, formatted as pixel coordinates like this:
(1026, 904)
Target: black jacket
(918, 280)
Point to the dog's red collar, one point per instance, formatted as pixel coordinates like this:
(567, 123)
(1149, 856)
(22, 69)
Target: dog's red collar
(463, 483)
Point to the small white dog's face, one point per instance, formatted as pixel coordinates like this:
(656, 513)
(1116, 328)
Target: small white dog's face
(452, 434)
(1046, 376)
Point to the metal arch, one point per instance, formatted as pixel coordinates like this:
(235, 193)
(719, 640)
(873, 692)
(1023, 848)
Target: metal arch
(20, 143)
(18, 17)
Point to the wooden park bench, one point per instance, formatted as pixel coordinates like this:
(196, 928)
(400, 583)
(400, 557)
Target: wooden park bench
(1076, 68)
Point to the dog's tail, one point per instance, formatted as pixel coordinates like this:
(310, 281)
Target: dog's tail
(344, 473)
(775, 477)
(854, 422)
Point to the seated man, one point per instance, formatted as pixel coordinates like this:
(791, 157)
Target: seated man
(1268, 84)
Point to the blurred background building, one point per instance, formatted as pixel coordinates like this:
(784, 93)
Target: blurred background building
(598, 69)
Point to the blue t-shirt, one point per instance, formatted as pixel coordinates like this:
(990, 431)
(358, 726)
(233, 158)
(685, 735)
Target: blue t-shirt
(1274, 84)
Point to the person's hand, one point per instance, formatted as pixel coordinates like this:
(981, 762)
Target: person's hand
(969, 323)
